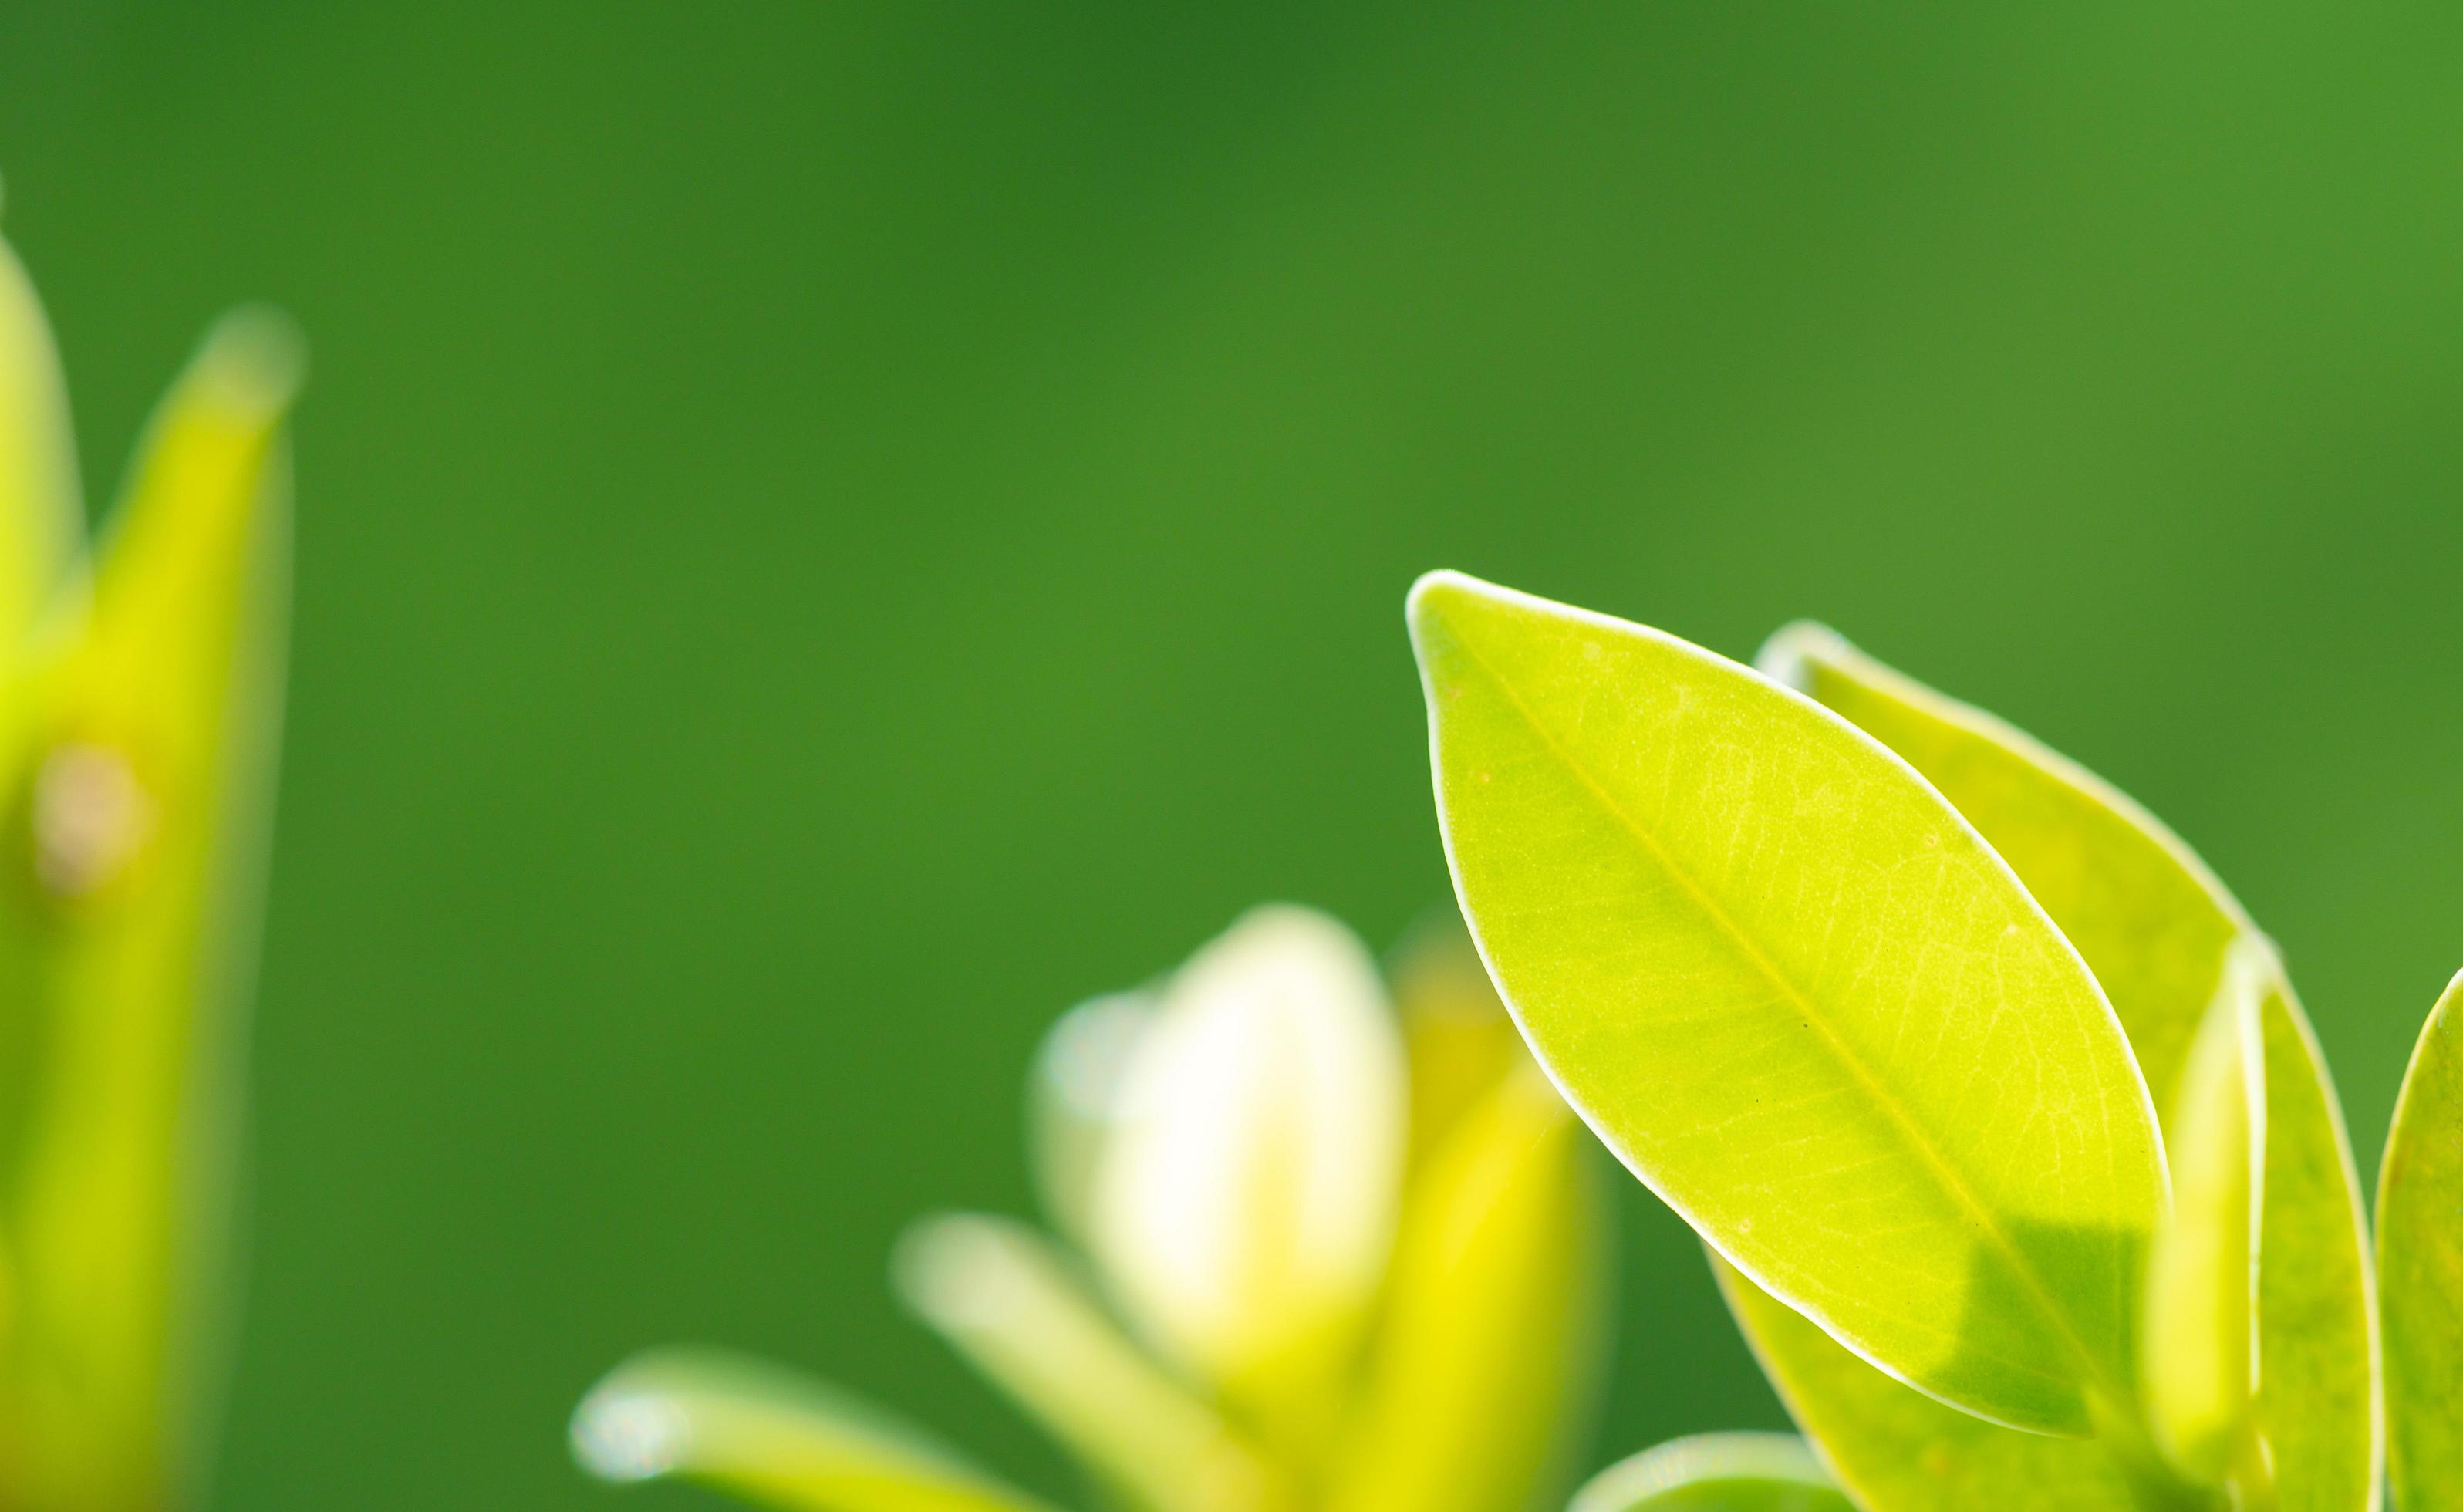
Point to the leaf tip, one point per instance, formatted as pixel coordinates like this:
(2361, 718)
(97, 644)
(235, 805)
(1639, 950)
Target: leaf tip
(1792, 650)
(622, 1432)
(253, 359)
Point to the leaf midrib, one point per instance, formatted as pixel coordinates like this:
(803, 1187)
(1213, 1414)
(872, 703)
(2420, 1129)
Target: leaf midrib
(1913, 1132)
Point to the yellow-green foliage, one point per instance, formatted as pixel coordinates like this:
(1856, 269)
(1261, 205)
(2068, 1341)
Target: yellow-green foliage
(1320, 1251)
(139, 693)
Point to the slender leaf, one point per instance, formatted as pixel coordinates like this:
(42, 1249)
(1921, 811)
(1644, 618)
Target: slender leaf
(1007, 1301)
(2153, 923)
(1245, 1204)
(147, 804)
(1715, 1472)
(2201, 1348)
(2420, 1267)
(1800, 998)
(39, 514)
(1487, 1369)
(754, 1428)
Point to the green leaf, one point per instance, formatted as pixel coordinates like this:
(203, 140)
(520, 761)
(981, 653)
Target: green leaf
(39, 514)
(2420, 1267)
(2200, 1350)
(1715, 1472)
(1007, 1301)
(1487, 1369)
(146, 805)
(1800, 998)
(1900, 1451)
(766, 1434)
(2153, 923)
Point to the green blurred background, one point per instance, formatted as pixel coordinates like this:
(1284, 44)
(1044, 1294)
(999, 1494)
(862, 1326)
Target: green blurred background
(830, 532)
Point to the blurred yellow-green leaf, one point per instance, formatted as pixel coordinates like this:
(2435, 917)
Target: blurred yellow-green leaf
(762, 1432)
(1484, 1377)
(144, 804)
(1459, 1037)
(2153, 923)
(1716, 1473)
(2420, 1267)
(2200, 1353)
(39, 514)
(1747, 943)
(1007, 1299)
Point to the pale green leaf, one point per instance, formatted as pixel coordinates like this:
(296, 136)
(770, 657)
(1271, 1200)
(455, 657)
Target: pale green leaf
(1074, 1102)
(1715, 1472)
(1800, 998)
(1011, 1304)
(2201, 1344)
(2153, 923)
(1243, 1205)
(1486, 1372)
(1900, 1451)
(39, 514)
(2420, 1267)
(773, 1437)
(147, 799)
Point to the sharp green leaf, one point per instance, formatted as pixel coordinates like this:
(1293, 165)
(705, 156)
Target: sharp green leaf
(2154, 923)
(1489, 1351)
(1800, 998)
(767, 1433)
(2201, 1346)
(1715, 1472)
(2317, 1336)
(2420, 1267)
(1009, 1301)
(1900, 1451)
(146, 801)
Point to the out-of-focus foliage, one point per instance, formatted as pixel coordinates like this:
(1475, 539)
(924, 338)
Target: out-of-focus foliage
(140, 693)
(1342, 1252)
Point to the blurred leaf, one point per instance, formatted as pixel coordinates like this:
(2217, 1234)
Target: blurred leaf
(146, 810)
(1900, 1451)
(999, 1293)
(1245, 1204)
(757, 1430)
(2420, 1267)
(1487, 1366)
(2201, 1343)
(40, 526)
(1460, 1043)
(1074, 1102)
(1800, 998)
(2153, 924)
(1715, 1472)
